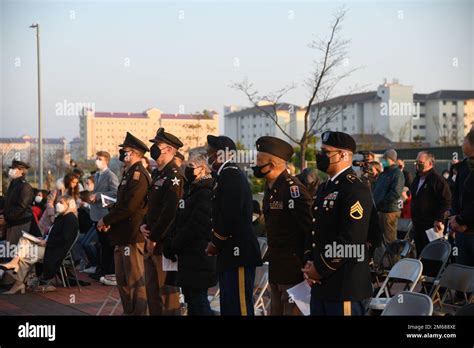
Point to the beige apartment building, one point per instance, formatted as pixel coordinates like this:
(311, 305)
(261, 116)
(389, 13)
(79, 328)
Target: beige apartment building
(106, 130)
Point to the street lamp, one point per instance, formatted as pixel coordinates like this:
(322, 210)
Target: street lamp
(40, 126)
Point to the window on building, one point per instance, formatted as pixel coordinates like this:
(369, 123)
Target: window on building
(345, 129)
(422, 115)
(422, 103)
(422, 126)
(444, 102)
(454, 114)
(453, 102)
(344, 118)
(415, 126)
(445, 126)
(455, 126)
(344, 107)
(444, 114)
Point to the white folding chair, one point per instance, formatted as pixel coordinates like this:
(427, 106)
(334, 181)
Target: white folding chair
(69, 261)
(409, 303)
(262, 242)
(261, 286)
(112, 299)
(406, 270)
(458, 278)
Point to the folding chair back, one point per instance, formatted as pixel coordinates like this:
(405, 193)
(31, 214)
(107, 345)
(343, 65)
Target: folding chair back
(407, 270)
(69, 260)
(403, 227)
(409, 303)
(434, 257)
(458, 277)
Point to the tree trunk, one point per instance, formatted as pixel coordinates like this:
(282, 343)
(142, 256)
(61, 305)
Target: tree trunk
(303, 155)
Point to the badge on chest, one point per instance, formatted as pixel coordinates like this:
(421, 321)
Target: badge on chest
(276, 205)
(330, 199)
(159, 182)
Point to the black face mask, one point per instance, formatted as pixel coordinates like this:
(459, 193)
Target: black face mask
(322, 160)
(420, 167)
(189, 174)
(257, 171)
(122, 155)
(155, 152)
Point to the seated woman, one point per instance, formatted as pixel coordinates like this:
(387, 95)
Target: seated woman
(189, 237)
(50, 251)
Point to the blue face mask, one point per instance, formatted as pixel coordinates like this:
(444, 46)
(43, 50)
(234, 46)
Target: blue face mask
(385, 163)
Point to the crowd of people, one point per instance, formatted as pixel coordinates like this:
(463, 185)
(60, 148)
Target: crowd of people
(127, 230)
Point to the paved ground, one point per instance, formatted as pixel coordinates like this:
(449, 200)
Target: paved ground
(64, 301)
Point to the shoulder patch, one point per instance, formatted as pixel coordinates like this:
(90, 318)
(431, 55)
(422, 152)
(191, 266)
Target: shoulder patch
(136, 175)
(295, 191)
(352, 178)
(356, 212)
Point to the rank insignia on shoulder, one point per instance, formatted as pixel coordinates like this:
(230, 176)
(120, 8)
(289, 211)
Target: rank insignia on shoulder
(357, 212)
(295, 191)
(352, 177)
(136, 175)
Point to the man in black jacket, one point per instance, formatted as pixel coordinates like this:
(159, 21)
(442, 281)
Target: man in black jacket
(462, 219)
(431, 199)
(287, 210)
(17, 211)
(123, 225)
(234, 242)
(163, 198)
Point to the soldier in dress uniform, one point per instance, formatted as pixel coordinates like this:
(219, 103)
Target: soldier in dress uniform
(164, 196)
(123, 225)
(287, 211)
(338, 260)
(234, 242)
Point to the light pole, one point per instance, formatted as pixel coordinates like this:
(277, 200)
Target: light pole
(40, 126)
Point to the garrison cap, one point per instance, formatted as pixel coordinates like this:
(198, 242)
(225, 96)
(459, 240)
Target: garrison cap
(339, 140)
(275, 146)
(221, 142)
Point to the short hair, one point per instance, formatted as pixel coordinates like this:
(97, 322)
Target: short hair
(429, 156)
(470, 137)
(71, 204)
(200, 160)
(104, 154)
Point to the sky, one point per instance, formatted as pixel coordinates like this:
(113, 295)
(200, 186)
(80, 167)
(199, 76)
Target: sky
(181, 56)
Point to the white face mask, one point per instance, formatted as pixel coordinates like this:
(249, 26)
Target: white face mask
(446, 176)
(255, 217)
(60, 208)
(128, 154)
(38, 199)
(14, 173)
(101, 165)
